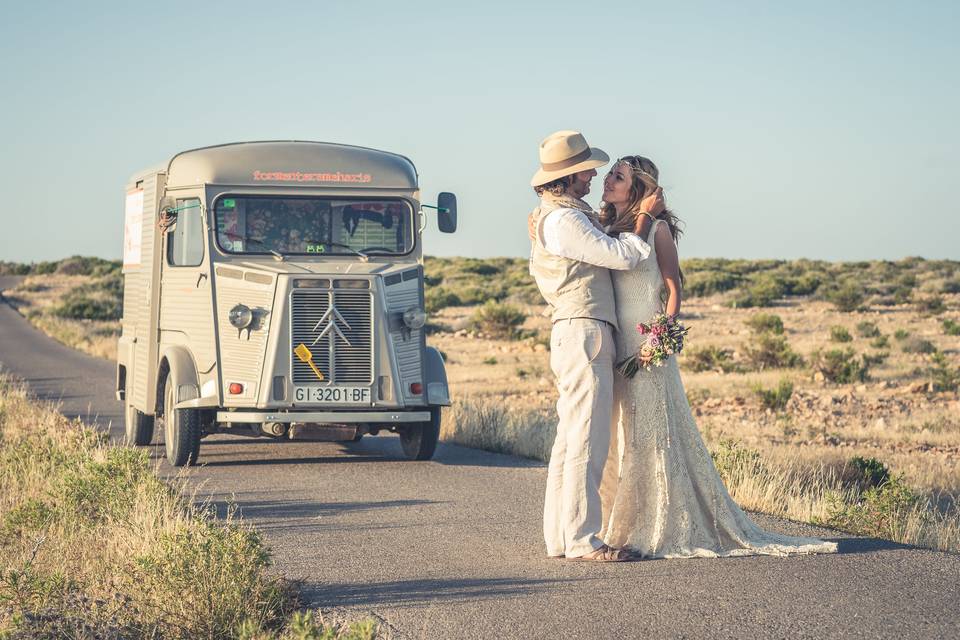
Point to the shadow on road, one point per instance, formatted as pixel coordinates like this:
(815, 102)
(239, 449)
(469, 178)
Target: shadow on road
(850, 546)
(266, 509)
(411, 592)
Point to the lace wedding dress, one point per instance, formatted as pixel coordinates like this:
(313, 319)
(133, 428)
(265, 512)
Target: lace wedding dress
(670, 501)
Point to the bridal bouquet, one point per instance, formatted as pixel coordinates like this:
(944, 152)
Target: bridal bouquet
(665, 335)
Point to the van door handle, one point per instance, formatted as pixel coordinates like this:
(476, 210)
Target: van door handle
(199, 278)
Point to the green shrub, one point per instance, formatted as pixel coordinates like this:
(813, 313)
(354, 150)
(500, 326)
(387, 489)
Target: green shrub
(943, 376)
(875, 359)
(880, 511)
(774, 399)
(709, 359)
(847, 297)
(735, 462)
(78, 306)
(951, 286)
(480, 268)
(951, 328)
(762, 322)
(768, 350)
(704, 283)
(870, 472)
(761, 292)
(804, 285)
(438, 298)
(901, 335)
(490, 360)
(840, 334)
(932, 305)
(880, 342)
(841, 366)
(498, 319)
(867, 329)
(918, 345)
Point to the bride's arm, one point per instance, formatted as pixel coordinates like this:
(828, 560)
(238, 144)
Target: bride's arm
(669, 263)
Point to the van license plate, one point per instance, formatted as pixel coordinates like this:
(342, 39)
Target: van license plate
(333, 395)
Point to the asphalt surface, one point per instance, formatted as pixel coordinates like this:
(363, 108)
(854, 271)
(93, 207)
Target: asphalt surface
(451, 548)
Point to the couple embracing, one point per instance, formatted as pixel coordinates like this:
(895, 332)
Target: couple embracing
(629, 475)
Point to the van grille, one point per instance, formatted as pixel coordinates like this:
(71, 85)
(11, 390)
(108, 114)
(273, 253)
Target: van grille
(344, 354)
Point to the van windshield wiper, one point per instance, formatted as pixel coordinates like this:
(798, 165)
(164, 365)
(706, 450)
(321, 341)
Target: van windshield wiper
(362, 255)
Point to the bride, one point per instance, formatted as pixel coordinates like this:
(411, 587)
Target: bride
(669, 500)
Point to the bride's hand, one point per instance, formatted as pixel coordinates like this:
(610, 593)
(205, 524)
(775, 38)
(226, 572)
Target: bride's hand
(653, 203)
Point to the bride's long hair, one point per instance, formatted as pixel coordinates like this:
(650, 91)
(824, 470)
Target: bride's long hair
(645, 180)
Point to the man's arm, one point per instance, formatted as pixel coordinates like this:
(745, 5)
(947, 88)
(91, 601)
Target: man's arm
(569, 233)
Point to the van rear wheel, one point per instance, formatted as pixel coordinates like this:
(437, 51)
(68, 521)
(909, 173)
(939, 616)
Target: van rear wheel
(419, 440)
(181, 430)
(137, 426)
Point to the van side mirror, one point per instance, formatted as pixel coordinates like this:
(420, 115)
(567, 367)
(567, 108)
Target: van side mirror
(447, 212)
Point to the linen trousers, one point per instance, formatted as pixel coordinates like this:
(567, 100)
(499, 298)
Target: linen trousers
(582, 351)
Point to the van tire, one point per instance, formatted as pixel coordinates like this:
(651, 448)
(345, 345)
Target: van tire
(181, 430)
(419, 440)
(138, 427)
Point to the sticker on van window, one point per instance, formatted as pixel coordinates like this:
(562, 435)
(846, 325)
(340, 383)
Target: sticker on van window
(229, 203)
(316, 248)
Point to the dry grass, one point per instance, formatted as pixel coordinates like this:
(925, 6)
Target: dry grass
(37, 297)
(94, 544)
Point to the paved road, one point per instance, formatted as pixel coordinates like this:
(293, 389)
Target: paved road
(451, 547)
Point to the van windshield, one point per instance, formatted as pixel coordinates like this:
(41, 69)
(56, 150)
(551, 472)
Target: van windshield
(312, 225)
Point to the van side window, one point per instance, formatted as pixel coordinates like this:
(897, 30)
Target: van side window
(185, 241)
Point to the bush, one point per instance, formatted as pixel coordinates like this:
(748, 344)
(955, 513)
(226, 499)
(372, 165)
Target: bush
(875, 359)
(840, 366)
(840, 334)
(438, 298)
(735, 462)
(951, 328)
(846, 297)
(870, 472)
(765, 322)
(767, 350)
(498, 319)
(918, 345)
(868, 329)
(881, 511)
(901, 335)
(762, 292)
(704, 283)
(78, 306)
(880, 342)
(942, 375)
(951, 286)
(709, 359)
(932, 305)
(774, 399)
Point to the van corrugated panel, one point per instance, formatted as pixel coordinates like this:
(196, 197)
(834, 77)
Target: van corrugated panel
(242, 352)
(345, 354)
(187, 308)
(401, 297)
(137, 298)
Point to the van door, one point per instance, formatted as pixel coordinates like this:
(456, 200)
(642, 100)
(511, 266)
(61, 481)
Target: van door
(186, 298)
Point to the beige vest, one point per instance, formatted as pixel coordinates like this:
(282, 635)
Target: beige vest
(573, 289)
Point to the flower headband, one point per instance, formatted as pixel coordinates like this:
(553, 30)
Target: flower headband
(632, 162)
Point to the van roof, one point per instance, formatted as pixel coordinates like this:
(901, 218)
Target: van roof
(290, 163)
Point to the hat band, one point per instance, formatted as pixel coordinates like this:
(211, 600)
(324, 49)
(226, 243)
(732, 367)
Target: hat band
(569, 162)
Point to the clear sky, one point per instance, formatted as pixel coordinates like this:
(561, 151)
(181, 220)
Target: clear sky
(782, 130)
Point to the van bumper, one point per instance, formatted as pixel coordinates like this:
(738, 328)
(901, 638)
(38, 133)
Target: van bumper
(330, 417)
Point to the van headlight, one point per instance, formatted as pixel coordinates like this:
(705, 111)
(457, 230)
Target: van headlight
(414, 317)
(241, 316)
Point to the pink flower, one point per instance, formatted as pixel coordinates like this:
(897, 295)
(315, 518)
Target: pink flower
(654, 341)
(643, 329)
(659, 330)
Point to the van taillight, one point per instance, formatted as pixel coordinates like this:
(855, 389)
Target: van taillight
(416, 388)
(236, 388)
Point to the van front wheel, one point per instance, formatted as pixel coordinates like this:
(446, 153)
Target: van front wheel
(181, 430)
(419, 440)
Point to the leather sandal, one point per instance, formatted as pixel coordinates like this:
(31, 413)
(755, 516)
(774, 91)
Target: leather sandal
(605, 553)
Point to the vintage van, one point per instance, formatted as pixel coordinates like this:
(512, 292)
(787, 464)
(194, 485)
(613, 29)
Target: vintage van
(276, 289)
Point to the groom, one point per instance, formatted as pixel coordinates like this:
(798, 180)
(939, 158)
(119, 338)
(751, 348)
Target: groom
(570, 261)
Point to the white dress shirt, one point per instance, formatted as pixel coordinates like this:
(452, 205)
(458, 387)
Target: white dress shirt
(570, 233)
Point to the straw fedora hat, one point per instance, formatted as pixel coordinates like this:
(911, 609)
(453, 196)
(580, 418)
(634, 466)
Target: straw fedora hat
(566, 152)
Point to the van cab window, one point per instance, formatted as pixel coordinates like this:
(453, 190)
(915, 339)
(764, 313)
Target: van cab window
(185, 240)
(313, 225)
